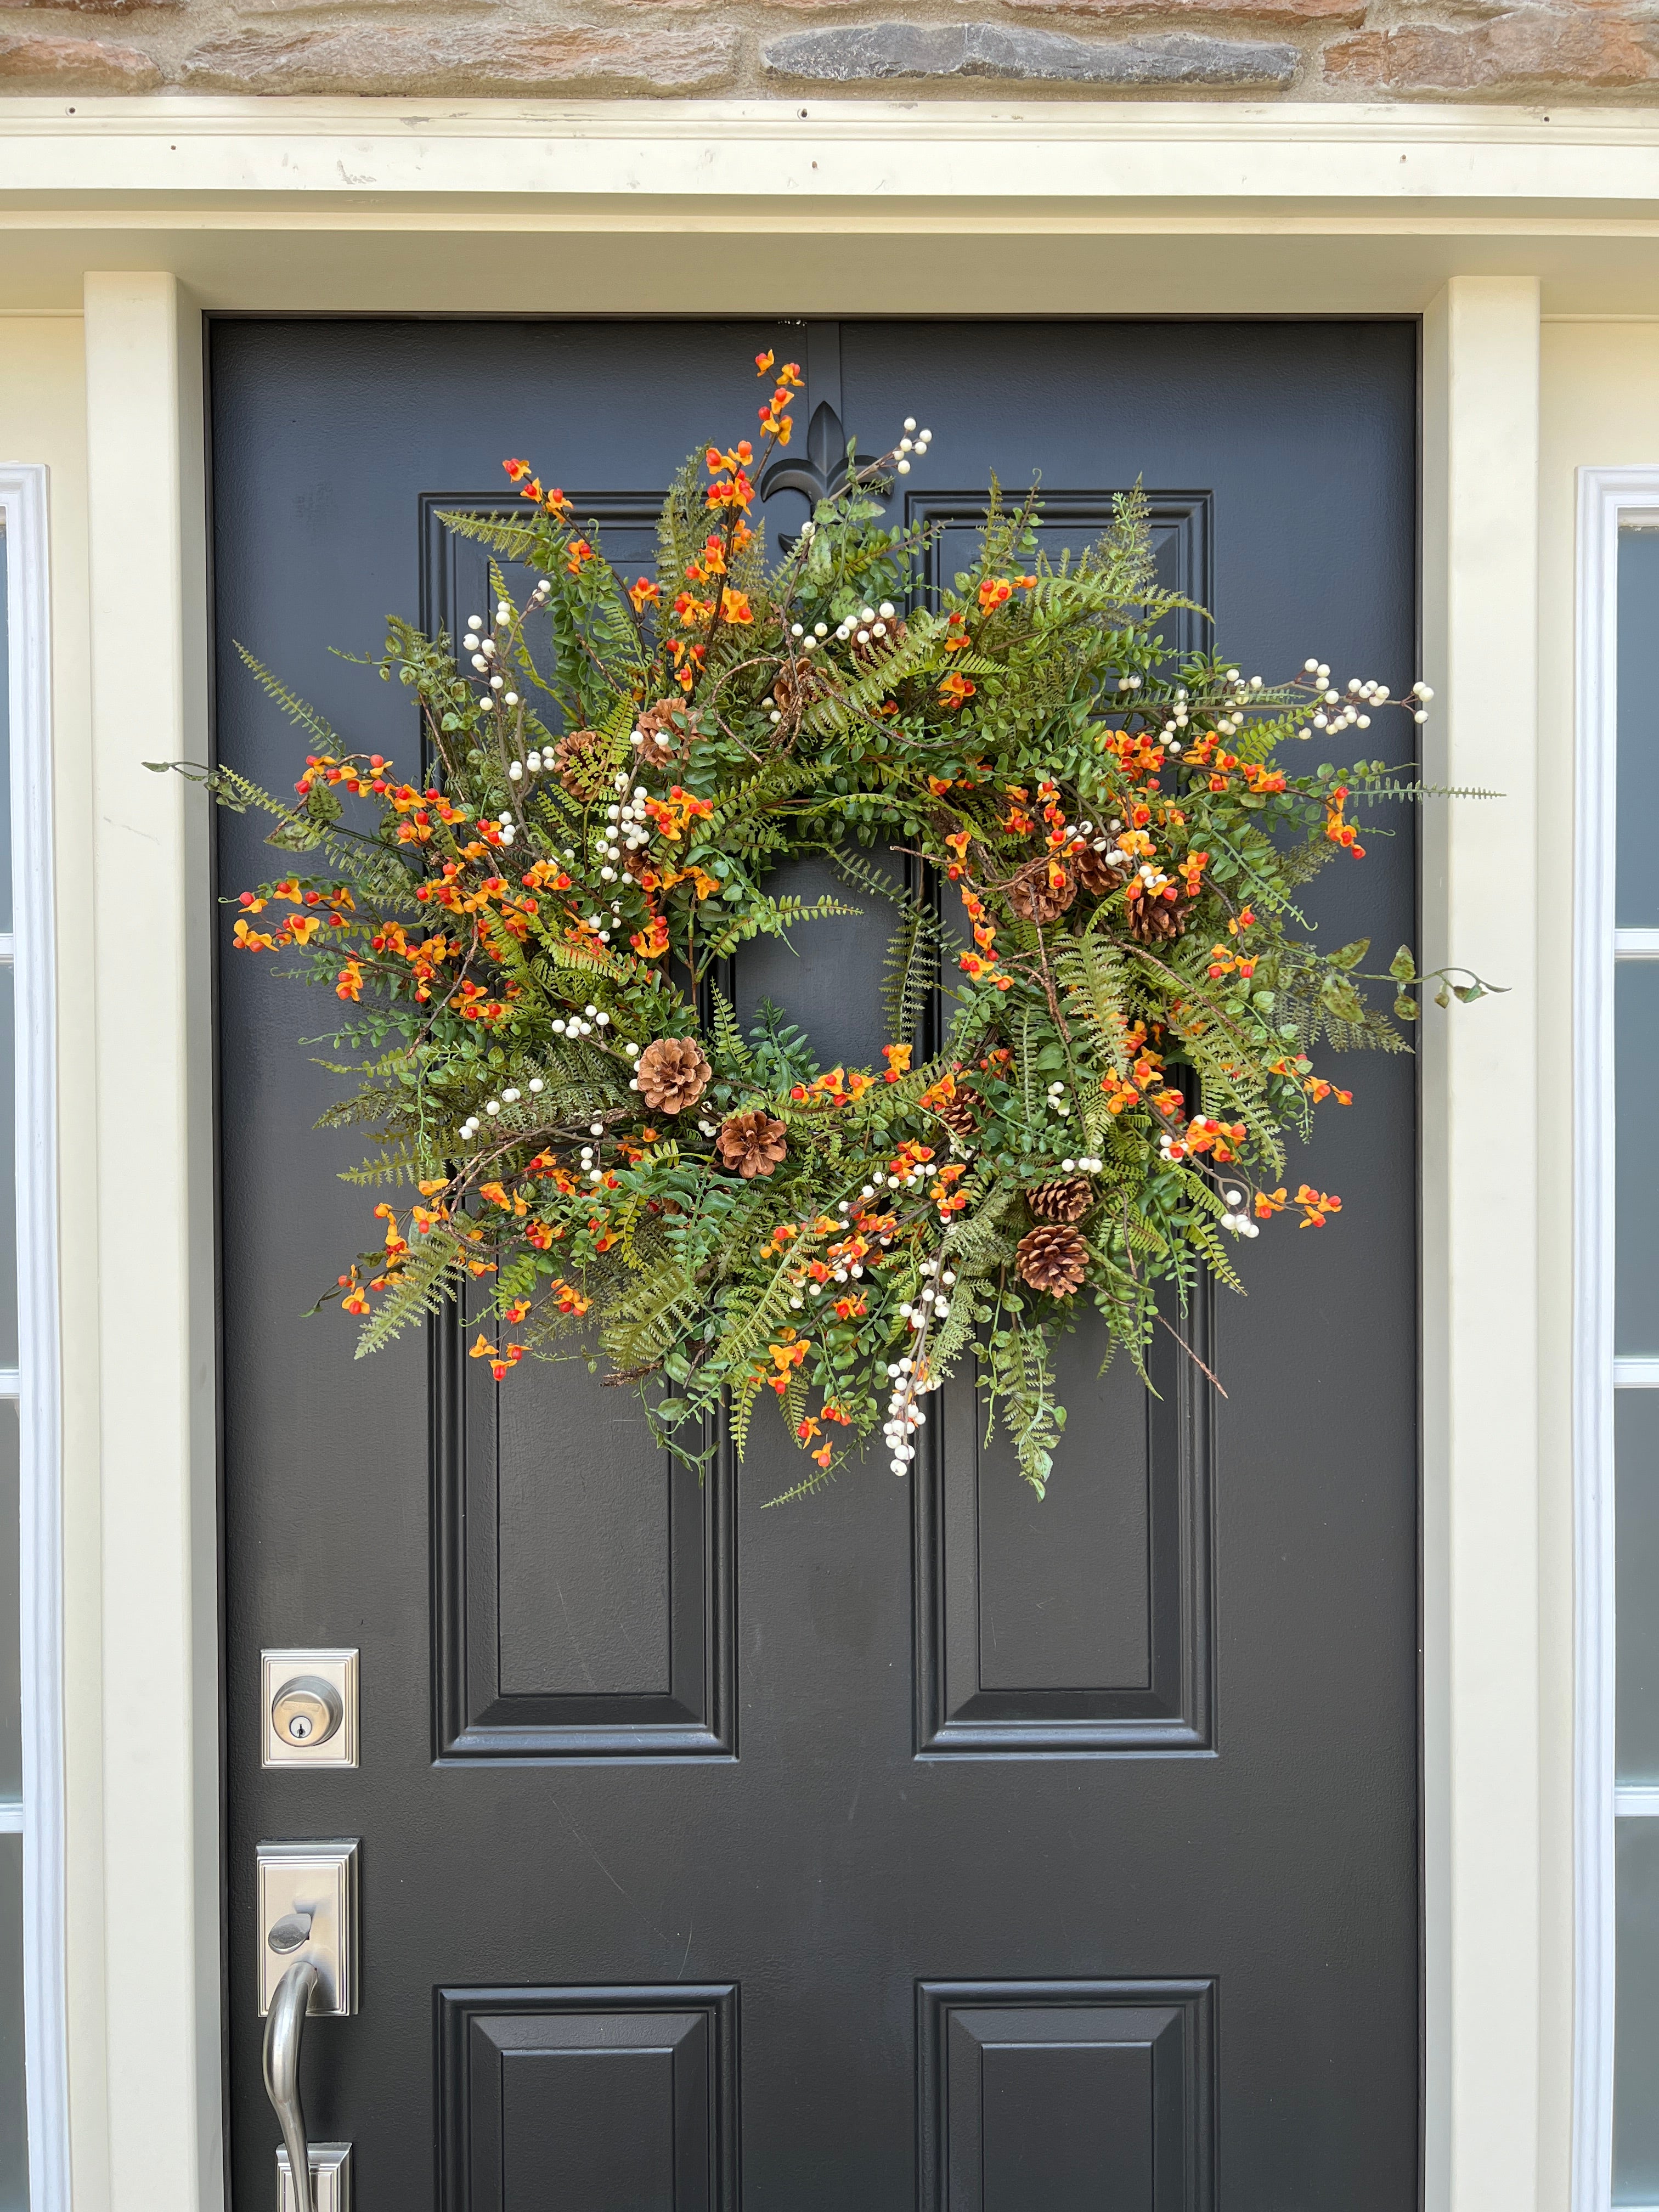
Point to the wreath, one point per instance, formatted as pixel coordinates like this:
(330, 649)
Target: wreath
(1104, 1001)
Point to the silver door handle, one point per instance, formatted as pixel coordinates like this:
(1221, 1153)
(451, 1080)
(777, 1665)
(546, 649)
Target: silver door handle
(284, 2023)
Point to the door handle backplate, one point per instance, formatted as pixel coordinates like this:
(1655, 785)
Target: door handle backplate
(308, 1903)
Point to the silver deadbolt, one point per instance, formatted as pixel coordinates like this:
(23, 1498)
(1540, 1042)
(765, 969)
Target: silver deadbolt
(307, 1710)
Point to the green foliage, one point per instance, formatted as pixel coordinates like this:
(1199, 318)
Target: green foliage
(527, 953)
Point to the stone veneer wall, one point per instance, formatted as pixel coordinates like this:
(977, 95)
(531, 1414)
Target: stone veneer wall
(1326, 50)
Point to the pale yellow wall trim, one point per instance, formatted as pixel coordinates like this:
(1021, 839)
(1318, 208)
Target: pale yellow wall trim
(1600, 410)
(1480, 1144)
(155, 1248)
(1401, 161)
(43, 422)
(885, 122)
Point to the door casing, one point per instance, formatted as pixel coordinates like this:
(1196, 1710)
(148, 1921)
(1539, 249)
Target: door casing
(1481, 1270)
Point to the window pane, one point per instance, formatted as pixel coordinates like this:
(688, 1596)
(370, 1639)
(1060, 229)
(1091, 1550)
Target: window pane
(7, 1173)
(1635, 2033)
(1636, 1418)
(13, 2126)
(1637, 897)
(5, 754)
(1635, 1089)
(11, 1748)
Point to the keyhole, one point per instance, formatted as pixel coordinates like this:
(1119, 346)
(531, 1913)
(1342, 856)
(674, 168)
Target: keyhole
(298, 1728)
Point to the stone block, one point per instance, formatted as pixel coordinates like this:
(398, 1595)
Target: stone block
(395, 59)
(97, 7)
(868, 53)
(1524, 52)
(54, 65)
(1245, 14)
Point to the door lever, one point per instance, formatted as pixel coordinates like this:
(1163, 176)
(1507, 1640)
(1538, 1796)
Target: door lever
(307, 1922)
(284, 2024)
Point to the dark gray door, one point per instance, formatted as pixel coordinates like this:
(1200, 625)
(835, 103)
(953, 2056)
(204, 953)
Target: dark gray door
(920, 1845)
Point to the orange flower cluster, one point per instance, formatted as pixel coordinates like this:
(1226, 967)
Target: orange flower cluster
(979, 965)
(1317, 1205)
(530, 486)
(774, 422)
(671, 816)
(501, 1358)
(940, 1094)
(1340, 831)
(1204, 1134)
(731, 488)
(835, 1088)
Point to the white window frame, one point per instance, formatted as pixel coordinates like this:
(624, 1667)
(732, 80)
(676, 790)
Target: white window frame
(1609, 498)
(27, 948)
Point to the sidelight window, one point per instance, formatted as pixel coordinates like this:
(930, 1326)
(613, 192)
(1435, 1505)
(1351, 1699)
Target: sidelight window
(33, 2161)
(1618, 1344)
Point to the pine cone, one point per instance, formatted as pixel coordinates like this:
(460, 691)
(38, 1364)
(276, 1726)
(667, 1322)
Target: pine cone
(1159, 919)
(1066, 1198)
(662, 739)
(956, 1105)
(753, 1144)
(1100, 873)
(1054, 1259)
(1035, 897)
(673, 1074)
(574, 759)
(796, 687)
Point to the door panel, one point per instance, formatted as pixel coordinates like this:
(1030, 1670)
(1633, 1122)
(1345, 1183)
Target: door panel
(593, 2100)
(921, 1844)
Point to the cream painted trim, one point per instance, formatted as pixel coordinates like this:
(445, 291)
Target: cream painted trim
(1480, 1148)
(148, 876)
(36, 1383)
(1324, 164)
(1480, 1269)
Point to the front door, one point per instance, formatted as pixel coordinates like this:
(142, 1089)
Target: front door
(919, 1843)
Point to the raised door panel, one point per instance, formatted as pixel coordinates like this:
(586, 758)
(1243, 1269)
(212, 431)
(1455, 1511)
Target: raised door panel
(582, 1578)
(587, 2100)
(1070, 2096)
(1081, 1623)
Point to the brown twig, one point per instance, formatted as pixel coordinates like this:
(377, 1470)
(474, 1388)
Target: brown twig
(1190, 1353)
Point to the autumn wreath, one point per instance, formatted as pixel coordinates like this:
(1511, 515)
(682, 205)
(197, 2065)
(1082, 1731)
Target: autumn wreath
(530, 944)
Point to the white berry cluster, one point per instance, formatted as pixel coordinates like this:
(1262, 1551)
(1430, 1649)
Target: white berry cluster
(485, 654)
(510, 1096)
(910, 1375)
(1342, 710)
(1236, 1218)
(914, 441)
(868, 626)
(627, 827)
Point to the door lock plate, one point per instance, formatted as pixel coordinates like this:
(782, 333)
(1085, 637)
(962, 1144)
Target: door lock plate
(308, 1903)
(309, 1708)
(331, 2178)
